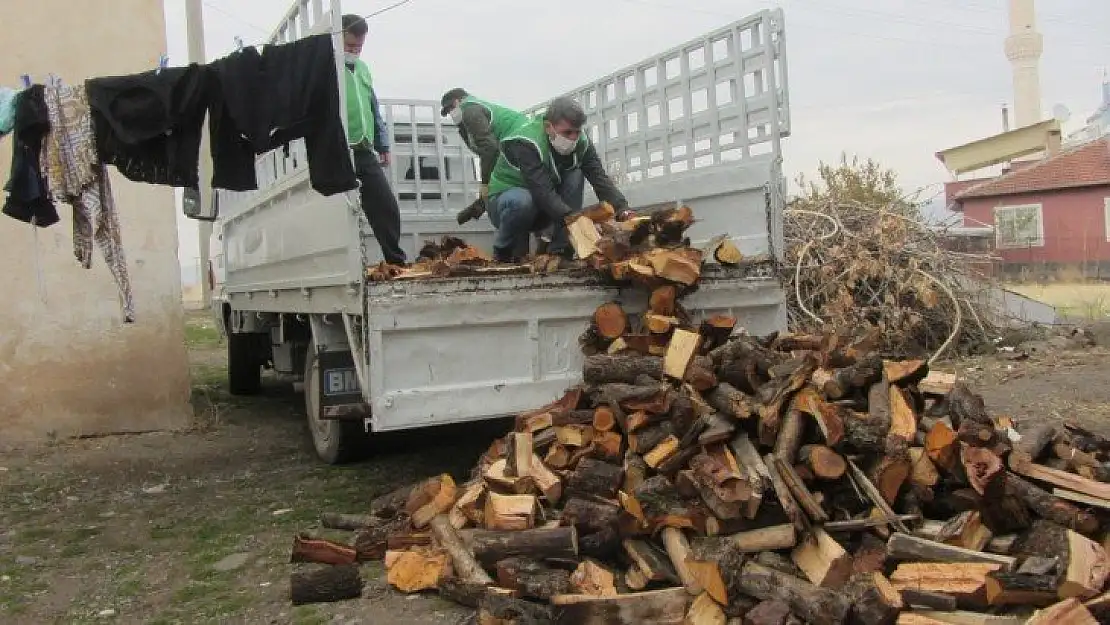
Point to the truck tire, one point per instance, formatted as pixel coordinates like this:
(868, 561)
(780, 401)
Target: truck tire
(244, 371)
(336, 442)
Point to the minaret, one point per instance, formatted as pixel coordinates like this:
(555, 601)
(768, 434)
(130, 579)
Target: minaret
(1023, 49)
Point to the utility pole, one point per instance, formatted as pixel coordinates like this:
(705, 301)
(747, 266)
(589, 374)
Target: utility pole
(194, 24)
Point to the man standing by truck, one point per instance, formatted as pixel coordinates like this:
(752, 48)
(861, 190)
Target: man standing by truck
(482, 126)
(367, 134)
(538, 181)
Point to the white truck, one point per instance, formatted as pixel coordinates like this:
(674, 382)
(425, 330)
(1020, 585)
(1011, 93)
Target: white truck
(701, 124)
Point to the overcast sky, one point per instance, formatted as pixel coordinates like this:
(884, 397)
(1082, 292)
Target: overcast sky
(896, 80)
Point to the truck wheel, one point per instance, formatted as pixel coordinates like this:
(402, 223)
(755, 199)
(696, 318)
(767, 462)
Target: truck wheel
(244, 372)
(336, 442)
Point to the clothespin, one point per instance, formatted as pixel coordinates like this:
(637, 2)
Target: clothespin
(26, 81)
(163, 61)
(238, 43)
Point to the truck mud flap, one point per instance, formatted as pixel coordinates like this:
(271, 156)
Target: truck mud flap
(340, 394)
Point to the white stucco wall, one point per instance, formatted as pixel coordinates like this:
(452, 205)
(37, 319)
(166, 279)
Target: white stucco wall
(68, 364)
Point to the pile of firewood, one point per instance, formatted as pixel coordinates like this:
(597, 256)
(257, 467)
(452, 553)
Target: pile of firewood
(699, 475)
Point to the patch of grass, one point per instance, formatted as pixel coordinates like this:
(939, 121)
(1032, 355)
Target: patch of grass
(18, 588)
(309, 615)
(201, 332)
(1077, 300)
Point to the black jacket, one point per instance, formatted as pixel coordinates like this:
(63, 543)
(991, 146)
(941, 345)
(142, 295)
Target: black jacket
(263, 101)
(28, 196)
(149, 125)
(524, 156)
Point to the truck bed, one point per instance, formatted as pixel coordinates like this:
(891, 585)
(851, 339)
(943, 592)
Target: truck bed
(460, 349)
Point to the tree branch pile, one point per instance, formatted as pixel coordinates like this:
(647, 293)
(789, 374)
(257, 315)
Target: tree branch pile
(699, 475)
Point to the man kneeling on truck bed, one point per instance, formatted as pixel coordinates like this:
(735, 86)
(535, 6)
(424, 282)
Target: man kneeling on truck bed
(366, 133)
(482, 125)
(539, 179)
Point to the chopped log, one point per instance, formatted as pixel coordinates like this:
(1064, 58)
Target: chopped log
(584, 237)
(965, 530)
(819, 606)
(942, 446)
(602, 545)
(717, 430)
(769, 613)
(786, 498)
(603, 369)
(654, 607)
(392, 503)
(1087, 568)
(797, 487)
(644, 440)
(509, 512)
(556, 543)
(663, 299)
(308, 549)
(829, 417)
(1048, 507)
(855, 525)
(339, 521)
(1021, 589)
(715, 563)
(652, 562)
(870, 555)
(964, 405)
(322, 584)
(657, 502)
(417, 569)
(595, 477)
(790, 436)
(607, 446)
(903, 421)
(864, 433)
(1066, 612)
(922, 470)
(905, 371)
(681, 350)
(605, 419)
(776, 394)
(933, 617)
(770, 538)
(518, 455)
(874, 600)
(678, 549)
(705, 611)
(937, 383)
(889, 472)
(590, 515)
(731, 401)
(610, 321)
(635, 471)
(1086, 500)
(532, 579)
(461, 592)
(875, 495)
(907, 547)
(823, 560)
(727, 253)
(1037, 565)
(431, 497)
(1063, 479)
(1100, 607)
(497, 475)
(716, 330)
(546, 481)
(661, 452)
(558, 456)
(466, 567)
(823, 462)
(965, 581)
(927, 599)
(673, 266)
(759, 476)
(591, 578)
(467, 508)
(499, 608)
(371, 541)
(575, 435)
(407, 540)
(858, 376)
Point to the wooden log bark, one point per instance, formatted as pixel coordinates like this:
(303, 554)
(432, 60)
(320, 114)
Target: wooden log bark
(602, 369)
(1048, 507)
(731, 401)
(856, 377)
(816, 605)
(554, 543)
(503, 609)
(965, 530)
(590, 515)
(591, 578)
(907, 547)
(797, 487)
(322, 584)
(1066, 612)
(1021, 589)
(874, 600)
(429, 498)
(823, 462)
(786, 498)
(678, 549)
(595, 477)
(610, 320)
(790, 436)
(759, 476)
(654, 607)
(769, 613)
(532, 579)
(652, 562)
(715, 564)
(339, 521)
(770, 538)
(966, 581)
(1099, 607)
(392, 503)
(822, 559)
(927, 599)
(464, 593)
(466, 566)
(370, 541)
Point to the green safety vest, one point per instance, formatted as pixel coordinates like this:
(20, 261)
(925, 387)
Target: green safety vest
(502, 119)
(506, 176)
(360, 115)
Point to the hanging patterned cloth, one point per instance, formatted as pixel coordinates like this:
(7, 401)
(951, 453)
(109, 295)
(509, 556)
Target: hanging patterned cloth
(77, 177)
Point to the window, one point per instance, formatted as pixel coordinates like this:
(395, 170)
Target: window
(1106, 216)
(1019, 226)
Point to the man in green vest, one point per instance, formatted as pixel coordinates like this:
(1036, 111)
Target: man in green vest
(367, 134)
(482, 126)
(540, 176)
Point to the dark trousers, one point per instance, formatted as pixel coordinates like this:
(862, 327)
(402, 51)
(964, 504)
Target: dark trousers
(380, 206)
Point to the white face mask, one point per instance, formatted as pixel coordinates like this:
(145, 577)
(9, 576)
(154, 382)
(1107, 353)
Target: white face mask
(456, 114)
(349, 58)
(561, 144)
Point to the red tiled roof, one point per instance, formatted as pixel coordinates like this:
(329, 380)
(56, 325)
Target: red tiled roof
(1083, 166)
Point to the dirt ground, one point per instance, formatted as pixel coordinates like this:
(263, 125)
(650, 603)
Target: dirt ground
(195, 527)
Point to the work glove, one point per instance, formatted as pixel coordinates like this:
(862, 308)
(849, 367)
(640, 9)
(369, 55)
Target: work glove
(476, 209)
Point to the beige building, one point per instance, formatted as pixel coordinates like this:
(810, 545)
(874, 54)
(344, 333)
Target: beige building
(69, 364)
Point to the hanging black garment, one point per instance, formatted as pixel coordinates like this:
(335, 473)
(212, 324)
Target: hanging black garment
(264, 101)
(28, 197)
(148, 125)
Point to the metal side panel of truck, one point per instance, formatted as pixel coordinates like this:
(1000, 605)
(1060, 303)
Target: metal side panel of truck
(700, 123)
